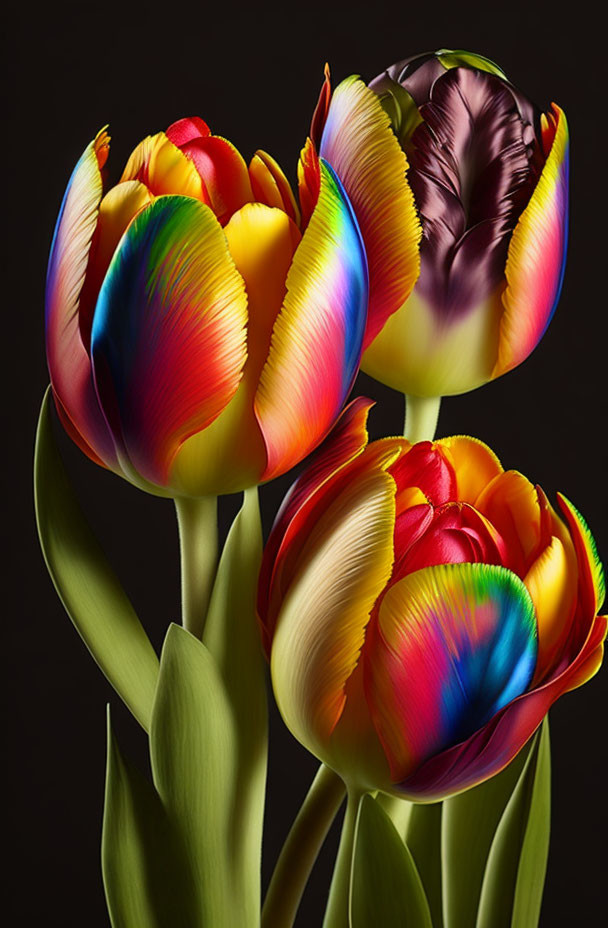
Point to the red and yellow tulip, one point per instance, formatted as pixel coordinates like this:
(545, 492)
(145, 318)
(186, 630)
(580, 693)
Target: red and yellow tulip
(199, 338)
(460, 186)
(423, 609)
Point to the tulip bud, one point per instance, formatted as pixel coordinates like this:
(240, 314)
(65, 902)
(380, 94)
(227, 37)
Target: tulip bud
(199, 341)
(460, 186)
(423, 609)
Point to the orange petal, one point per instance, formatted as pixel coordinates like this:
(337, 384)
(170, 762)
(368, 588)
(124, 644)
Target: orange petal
(552, 585)
(474, 464)
(510, 502)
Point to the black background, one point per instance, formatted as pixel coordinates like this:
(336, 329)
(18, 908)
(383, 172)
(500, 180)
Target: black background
(253, 73)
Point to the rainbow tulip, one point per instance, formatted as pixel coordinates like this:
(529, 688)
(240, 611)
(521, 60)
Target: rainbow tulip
(423, 609)
(199, 339)
(460, 186)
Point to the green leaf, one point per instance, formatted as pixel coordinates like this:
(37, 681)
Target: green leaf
(468, 827)
(386, 889)
(86, 583)
(145, 872)
(419, 825)
(194, 757)
(233, 638)
(423, 837)
(511, 894)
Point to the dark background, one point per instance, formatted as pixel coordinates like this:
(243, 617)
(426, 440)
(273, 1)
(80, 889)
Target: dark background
(253, 73)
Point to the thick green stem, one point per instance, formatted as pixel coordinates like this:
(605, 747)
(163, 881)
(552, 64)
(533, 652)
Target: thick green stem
(197, 521)
(421, 414)
(337, 914)
(301, 849)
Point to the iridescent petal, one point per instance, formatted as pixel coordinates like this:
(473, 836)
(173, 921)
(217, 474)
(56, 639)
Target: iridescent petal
(590, 566)
(451, 647)
(168, 339)
(320, 631)
(473, 462)
(360, 146)
(346, 440)
(230, 454)
(536, 257)
(493, 746)
(67, 357)
(316, 341)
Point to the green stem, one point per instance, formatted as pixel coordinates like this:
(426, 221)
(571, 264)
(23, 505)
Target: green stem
(421, 414)
(301, 849)
(337, 914)
(197, 522)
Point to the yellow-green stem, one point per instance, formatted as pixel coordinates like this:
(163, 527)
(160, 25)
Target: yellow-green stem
(337, 914)
(197, 522)
(421, 415)
(301, 849)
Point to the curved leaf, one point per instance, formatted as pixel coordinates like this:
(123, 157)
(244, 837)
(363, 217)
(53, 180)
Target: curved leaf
(468, 827)
(194, 763)
(86, 583)
(233, 638)
(386, 889)
(511, 894)
(145, 872)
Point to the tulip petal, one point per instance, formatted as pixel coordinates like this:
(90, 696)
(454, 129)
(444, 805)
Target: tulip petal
(362, 149)
(536, 257)
(230, 454)
(342, 569)
(589, 562)
(119, 206)
(168, 340)
(184, 130)
(473, 462)
(163, 168)
(511, 504)
(493, 746)
(270, 185)
(552, 586)
(347, 439)
(68, 360)
(452, 646)
(316, 342)
(422, 466)
(223, 172)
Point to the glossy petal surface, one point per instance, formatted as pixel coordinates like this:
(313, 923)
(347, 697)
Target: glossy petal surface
(168, 341)
(536, 257)
(321, 627)
(474, 463)
(359, 144)
(270, 186)
(68, 360)
(316, 341)
(163, 168)
(346, 440)
(453, 645)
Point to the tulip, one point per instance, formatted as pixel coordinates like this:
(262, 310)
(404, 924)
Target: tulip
(423, 609)
(199, 338)
(460, 186)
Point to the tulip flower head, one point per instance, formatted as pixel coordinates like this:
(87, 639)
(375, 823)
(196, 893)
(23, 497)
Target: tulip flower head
(423, 609)
(200, 337)
(460, 186)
